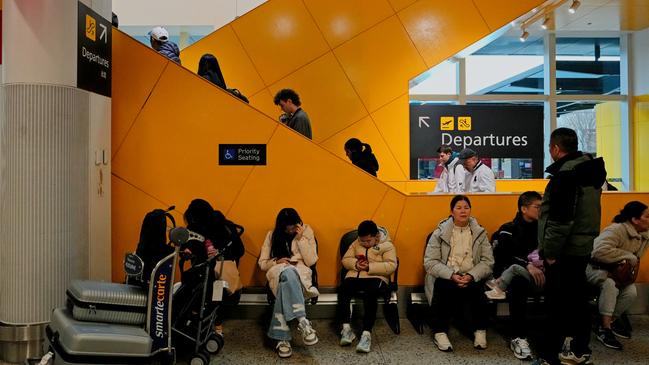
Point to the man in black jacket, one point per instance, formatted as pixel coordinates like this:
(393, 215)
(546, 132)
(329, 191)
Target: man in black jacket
(514, 242)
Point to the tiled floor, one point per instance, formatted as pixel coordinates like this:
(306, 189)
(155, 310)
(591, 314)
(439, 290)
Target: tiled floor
(245, 344)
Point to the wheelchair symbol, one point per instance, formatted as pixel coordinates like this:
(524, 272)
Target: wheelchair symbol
(229, 154)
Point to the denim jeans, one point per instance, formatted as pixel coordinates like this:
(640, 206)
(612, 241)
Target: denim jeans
(289, 305)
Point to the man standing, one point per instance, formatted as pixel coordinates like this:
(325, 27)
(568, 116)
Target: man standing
(159, 38)
(479, 177)
(294, 117)
(515, 243)
(452, 178)
(569, 222)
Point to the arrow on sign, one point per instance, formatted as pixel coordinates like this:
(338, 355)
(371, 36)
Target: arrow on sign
(103, 33)
(423, 120)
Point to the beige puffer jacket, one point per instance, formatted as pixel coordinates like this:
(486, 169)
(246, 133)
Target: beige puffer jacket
(382, 258)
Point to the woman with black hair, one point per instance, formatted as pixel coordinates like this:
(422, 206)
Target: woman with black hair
(618, 247)
(286, 255)
(457, 261)
(361, 155)
(208, 68)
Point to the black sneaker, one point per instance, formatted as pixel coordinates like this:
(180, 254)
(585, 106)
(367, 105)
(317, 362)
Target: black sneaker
(606, 337)
(620, 330)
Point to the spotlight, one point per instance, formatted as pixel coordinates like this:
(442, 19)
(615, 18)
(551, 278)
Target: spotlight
(546, 22)
(524, 35)
(575, 5)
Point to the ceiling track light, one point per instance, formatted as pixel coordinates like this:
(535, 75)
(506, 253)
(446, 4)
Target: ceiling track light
(524, 35)
(575, 5)
(546, 22)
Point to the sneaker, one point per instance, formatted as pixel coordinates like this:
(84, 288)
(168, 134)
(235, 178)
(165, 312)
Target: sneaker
(312, 292)
(365, 342)
(442, 342)
(606, 337)
(569, 358)
(347, 336)
(492, 283)
(620, 330)
(480, 339)
(496, 294)
(521, 348)
(284, 349)
(308, 333)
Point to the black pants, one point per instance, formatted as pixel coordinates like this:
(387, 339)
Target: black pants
(447, 297)
(566, 297)
(369, 289)
(517, 294)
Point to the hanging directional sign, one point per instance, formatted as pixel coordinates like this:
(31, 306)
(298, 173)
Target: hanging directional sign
(94, 49)
(493, 131)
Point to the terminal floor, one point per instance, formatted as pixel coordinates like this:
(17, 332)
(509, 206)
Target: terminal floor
(245, 343)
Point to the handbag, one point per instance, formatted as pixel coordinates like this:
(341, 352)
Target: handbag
(228, 271)
(624, 273)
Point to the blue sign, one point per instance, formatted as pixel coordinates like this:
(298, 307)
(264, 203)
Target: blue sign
(159, 323)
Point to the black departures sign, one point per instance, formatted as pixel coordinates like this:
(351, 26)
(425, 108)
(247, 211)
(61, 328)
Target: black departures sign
(94, 49)
(498, 131)
(242, 154)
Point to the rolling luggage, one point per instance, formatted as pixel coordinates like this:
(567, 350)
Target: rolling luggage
(93, 301)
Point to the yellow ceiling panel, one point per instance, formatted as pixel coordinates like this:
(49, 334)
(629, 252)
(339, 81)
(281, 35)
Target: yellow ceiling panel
(440, 29)
(393, 120)
(634, 14)
(344, 199)
(400, 4)
(263, 101)
(366, 131)
(150, 159)
(340, 20)
(500, 12)
(280, 36)
(389, 212)
(379, 62)
(238, 70)
(326, 95)
(133, 78)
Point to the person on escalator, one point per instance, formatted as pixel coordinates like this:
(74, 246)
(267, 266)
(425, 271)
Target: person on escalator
(159, 38)
(361, 155)
(294, 116)
(209, 69)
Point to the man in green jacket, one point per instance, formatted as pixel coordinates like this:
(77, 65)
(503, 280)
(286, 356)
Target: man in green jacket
(568, 224)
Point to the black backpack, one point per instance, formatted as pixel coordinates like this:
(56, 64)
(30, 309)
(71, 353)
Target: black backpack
(153, 246)
(239, 95)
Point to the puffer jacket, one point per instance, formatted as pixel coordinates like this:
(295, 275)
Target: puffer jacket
(570, 213)
(170, 50)
(439, 248)
(617, 242)
(451, 180)
(382, 258)
(303, 250)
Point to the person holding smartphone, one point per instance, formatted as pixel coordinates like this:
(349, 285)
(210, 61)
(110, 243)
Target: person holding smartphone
(287, 254)
(370, 260)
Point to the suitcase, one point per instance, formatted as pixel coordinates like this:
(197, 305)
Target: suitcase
(75, 341)
(95, 301)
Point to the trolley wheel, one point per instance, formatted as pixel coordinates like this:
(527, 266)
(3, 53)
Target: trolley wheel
(169, 358)
(200, 359)
(214, 344)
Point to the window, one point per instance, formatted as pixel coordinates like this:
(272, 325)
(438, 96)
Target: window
(588, 66)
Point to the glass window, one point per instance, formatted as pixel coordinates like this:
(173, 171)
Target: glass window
(439, 80)
(588, 66)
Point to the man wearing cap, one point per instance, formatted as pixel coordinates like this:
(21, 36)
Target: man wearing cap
(479, 177)
(451, 180)
(159, 38)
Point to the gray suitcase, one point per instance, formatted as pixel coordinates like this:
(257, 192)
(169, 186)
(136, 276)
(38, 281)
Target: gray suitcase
(95, 301)
(76, 340)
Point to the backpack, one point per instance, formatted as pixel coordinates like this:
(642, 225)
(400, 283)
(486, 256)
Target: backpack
(153, 246)
(239, 95)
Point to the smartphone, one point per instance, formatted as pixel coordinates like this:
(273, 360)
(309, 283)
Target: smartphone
(361, 257)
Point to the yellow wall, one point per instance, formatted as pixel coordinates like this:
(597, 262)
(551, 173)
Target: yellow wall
(609, 137)
(641, 147)
(350, 61)
(167, 124)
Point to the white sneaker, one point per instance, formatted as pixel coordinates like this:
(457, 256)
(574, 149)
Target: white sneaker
(442, 342)
(347, 336)
(492, 283)
(284, 349)
(496, 294)
(312, 292)
(308, 333)
(365, 342)
(480, 339)
(521, 348)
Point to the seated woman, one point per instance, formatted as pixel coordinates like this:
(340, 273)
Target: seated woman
(458, 259)
(370, 260)
(361, 155)
(220, 236)
(286, 255)
(621, 243)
